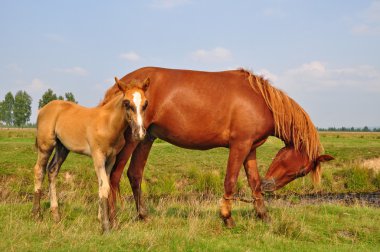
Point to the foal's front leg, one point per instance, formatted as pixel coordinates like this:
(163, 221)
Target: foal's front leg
(104, 188)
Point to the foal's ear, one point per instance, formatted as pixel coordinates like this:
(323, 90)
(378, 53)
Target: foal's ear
(145, 84)
(324, 158)
(121, 85)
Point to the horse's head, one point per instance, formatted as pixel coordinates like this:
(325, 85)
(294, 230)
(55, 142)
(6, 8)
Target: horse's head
(290, 164)
(135, 103)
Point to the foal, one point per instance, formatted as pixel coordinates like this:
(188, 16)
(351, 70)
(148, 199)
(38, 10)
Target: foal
(95, 132)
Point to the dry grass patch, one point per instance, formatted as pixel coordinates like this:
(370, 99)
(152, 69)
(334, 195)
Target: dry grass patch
(373, 163)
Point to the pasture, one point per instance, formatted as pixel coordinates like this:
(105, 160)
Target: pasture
(182, 190)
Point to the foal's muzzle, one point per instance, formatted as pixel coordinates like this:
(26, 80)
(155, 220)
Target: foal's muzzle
(138, 133)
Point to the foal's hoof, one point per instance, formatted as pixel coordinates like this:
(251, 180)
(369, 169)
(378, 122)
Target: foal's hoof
(106, 228)
(229, 222)
(55, 214)
(37, 215)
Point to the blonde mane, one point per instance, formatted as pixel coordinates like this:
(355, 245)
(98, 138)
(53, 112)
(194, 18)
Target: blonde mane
(292, 124)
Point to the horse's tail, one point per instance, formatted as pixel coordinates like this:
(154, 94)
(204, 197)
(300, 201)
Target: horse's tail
(53, 162)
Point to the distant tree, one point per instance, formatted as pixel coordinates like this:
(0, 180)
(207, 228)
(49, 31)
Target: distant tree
(366, 129)
(60, 97)
(47, 97)
(70, 97)
(7, 109)
(22, 108)
(1, 111)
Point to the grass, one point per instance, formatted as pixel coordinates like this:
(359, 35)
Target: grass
(181, 217)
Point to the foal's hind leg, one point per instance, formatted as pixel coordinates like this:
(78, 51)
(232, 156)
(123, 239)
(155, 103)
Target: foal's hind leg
(55, 164)
(253, 176)
(44, 152)
(238, 153)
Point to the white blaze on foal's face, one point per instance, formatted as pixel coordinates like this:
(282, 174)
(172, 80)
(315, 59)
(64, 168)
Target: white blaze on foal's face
(137, 101)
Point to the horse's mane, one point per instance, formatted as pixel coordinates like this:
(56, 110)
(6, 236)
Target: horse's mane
(114, 90)
(292, 124)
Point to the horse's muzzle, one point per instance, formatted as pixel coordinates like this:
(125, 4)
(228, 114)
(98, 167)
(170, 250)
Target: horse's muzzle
(268, 185)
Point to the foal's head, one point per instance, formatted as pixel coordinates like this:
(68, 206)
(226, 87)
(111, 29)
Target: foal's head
(290, 164)
(135, 103)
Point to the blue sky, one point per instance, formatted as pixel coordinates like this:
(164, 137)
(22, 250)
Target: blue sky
(324, 54)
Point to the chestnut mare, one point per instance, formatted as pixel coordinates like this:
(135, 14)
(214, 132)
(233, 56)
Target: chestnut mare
(96, 132)
(233, 109)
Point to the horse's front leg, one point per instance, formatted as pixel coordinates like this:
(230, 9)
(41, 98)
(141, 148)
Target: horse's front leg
(238, 153)
(104, 188)
(117, 171)
(135, 173)
(253, 177)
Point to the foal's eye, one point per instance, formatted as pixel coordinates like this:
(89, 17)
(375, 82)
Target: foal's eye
(145, 105)
(127, 104)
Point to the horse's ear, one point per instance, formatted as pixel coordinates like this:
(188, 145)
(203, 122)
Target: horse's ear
(145, 84)
(121, 85)
(324, 158)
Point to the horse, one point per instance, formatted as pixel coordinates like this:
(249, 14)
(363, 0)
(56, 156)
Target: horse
(235, 109)
(96, 132)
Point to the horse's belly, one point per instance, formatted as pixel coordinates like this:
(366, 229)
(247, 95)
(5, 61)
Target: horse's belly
(196, 139)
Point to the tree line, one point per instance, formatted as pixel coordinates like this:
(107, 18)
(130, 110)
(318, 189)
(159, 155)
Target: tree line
(15, 110)
(350, 129)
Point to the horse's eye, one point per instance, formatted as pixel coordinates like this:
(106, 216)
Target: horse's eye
(145, 105)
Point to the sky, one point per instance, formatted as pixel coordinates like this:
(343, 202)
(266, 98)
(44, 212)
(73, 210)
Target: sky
(324, 54)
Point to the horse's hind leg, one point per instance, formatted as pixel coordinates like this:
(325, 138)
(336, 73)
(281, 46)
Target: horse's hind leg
(53, 169)
(44, 152)
(253, 177)
(238, 153)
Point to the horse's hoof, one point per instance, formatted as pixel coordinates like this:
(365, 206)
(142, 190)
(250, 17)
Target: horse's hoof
(56, 216)
(143, 216)
(229, 222)
(264, 217)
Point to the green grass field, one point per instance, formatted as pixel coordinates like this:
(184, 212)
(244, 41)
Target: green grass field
(183, 188)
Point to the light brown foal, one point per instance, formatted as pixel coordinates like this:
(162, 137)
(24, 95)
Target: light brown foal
(95, 132)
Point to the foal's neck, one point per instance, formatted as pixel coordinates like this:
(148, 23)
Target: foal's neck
(116, 112)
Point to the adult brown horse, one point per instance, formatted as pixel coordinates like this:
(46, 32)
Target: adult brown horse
(233, 109)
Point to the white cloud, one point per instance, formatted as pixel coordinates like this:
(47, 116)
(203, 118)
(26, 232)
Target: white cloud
(73, 70)
(131, 56)
(168, 4)
(368, 21)
(216, 54)
(318, 76)
(37, 85)
(268, 75)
